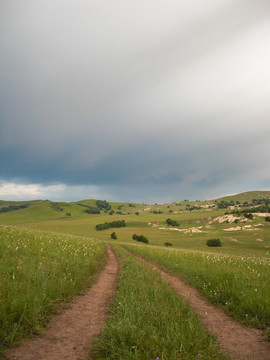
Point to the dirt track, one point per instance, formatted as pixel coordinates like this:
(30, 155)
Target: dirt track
(71, 333)
(239, 342)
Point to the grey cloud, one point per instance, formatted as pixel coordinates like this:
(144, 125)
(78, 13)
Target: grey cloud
(135, 95)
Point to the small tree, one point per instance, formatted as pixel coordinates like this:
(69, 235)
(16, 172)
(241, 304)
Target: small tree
(113, 236)
(167, 243)
(214, 242)
(172, 222)
(140, 238)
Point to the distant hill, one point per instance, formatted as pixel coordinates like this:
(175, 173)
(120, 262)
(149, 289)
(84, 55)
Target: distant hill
(246, 196)
(22, 212)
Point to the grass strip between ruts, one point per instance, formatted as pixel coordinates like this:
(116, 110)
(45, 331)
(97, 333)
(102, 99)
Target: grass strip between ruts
(239, 284)
(149, 321)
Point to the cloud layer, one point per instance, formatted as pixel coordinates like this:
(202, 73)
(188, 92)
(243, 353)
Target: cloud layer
(136, 100)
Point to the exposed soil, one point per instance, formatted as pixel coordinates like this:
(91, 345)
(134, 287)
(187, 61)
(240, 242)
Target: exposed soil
(239, 342)
(71, 333)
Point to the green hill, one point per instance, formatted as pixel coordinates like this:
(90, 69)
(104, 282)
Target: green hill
(198, 221)
(247, 196)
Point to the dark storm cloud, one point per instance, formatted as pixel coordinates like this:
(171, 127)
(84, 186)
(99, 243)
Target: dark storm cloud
(137, 97)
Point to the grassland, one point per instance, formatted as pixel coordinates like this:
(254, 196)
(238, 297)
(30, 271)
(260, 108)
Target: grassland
(239, 284)
(38, 271)
(149, 321)
(195, 227)
(49, 251)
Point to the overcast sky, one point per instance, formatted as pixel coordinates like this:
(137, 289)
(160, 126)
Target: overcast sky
(146, 100)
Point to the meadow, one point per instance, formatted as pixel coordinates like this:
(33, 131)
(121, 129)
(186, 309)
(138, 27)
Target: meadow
(149, 321)
(238, 284)
(38, 272)
(252, 238)
(51, 251)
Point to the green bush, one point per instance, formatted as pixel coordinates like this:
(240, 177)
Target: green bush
(267, 218)
(113, 224)
(92, 210)
(213, 242)
(172, 222)
(167, 243)
(140, 238)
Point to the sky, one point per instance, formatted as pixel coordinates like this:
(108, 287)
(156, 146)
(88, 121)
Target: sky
(144, 101)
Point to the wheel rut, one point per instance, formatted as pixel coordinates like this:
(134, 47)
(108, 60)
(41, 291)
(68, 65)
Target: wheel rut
(71, 333)
(239, 342)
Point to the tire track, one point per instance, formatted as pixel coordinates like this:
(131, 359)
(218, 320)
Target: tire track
(239, 342)
(71, 333)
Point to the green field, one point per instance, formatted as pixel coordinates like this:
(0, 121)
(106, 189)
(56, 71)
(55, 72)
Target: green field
(38, 272)
(148, 320)
(195, 226)
(51, 251)
(239, 284)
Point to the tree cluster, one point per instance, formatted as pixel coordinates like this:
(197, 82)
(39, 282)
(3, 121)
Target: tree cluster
(214, 242)
(172, 222)
(113, 224)
(92, 210)
(13, 207)
(103, 205)
(140, 238)
(167, 243)
(259, 209)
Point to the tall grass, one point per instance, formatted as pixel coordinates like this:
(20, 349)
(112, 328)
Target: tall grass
(37, 272)
(148, 320)
(241, 285)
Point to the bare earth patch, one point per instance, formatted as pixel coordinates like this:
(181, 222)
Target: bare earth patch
(226, 218)
(237, 228)
(234, 240)
(239, 342)
(192, 230)
(70, 334)
(261, 214)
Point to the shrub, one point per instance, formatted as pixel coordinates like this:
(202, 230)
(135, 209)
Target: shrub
(267, 218)
(92, 210)
(103, 205)
(113, 236)
(13, 207)
(213, 242)
(167, 243)
(172, 222)
(113, 224)
(140, 238)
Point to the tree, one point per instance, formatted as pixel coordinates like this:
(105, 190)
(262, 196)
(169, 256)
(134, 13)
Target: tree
(167, 243)
(214, 242)
(140, 238)
(113, 236)
(172, 222)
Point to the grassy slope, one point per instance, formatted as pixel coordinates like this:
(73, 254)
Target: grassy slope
(45, 215)
(247, 196)
(39, 271)
(149, 321)
(239, 284)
